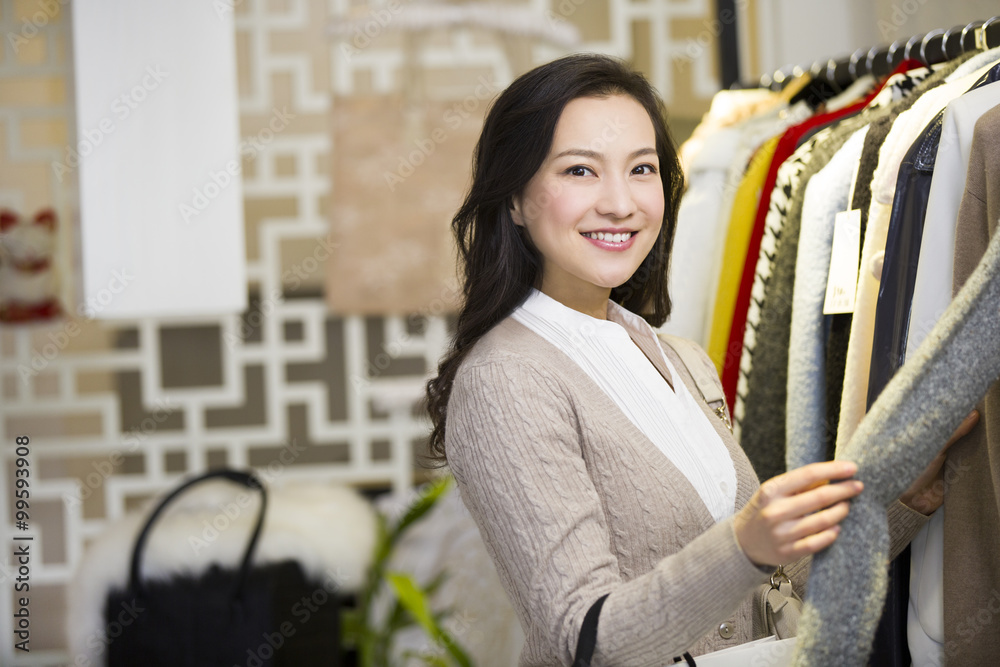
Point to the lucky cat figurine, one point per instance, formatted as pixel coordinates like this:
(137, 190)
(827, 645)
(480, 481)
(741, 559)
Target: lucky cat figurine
(27, 277)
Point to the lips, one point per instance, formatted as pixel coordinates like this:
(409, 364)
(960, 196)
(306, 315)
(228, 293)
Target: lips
(611, 240)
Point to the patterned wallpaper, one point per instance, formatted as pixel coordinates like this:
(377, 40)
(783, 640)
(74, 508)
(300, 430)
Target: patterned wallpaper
(117, 412)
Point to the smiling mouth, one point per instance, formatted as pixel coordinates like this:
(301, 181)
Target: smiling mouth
(618, 237)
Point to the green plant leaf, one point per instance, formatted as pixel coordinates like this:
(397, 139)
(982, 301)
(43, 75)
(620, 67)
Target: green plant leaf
(415, 601)
(428, 497)
(374, 643)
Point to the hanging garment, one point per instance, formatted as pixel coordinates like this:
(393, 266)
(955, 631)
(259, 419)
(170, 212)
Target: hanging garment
(903, 432)
(734, 252)
(907, 229)
(786, 146)
(861, 198)
(715, 172)
(972, 497)
(895, 184)
(763, 435)
(925, 617)
(932, 284)
(693, 261)
(786, 183)
(728, 108)
(891, 639)
(827, 194)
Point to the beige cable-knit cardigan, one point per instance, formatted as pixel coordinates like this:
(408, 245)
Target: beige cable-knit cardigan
(573, 502)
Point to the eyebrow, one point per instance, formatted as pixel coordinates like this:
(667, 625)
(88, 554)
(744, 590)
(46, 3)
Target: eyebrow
(594, 155)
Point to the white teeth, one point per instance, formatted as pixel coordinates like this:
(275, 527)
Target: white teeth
(611, 238)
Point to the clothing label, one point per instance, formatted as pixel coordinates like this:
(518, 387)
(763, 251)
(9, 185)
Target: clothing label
(842, 283)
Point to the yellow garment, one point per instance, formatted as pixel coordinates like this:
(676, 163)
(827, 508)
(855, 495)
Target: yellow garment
(734, 254)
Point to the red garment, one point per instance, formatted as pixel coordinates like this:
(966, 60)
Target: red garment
(786, 146)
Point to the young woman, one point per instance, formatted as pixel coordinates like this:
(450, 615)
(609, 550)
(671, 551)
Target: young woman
(579, 442)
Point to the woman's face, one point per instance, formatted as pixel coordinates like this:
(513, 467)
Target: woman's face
(595, 206)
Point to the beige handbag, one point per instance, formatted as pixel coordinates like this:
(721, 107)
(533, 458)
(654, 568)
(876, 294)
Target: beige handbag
(781, 606)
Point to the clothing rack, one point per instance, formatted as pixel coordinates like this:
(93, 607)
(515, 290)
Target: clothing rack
(934, 47)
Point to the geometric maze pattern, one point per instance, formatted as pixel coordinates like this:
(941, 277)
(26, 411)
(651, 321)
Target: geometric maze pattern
(120, 411)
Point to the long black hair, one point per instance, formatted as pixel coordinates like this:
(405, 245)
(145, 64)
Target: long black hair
(500, 263)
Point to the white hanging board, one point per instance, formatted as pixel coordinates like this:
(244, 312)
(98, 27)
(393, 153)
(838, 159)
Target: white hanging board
(157, 131)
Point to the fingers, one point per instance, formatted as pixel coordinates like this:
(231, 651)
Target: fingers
(963, 429)
(813, 533)
(806, 477)
(814, 523)
(808, 502)
(812, 544)
(797, 513)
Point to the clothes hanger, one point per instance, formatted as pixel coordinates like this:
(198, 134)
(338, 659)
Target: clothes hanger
(877, 62)
(952, 44)
(936, 46)
(910, 44)
(838, 72)
(820, 87)
(870, 60)
(982, 39)
(969, 36)
(778, 80)
(853, 62)
(925, 44)
(894, 57)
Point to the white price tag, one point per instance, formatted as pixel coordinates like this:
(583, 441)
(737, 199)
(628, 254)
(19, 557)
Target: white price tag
(842, 283)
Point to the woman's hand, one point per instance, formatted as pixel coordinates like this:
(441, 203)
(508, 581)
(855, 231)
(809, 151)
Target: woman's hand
(926, 494)
(796, 514)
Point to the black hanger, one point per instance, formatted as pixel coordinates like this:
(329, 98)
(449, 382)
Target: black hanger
(968, 41)
(912, 43)
(927, 53)
(952, 44)
(839, 72)
(982, 33)
(855, 62)
(877, 61)
(896, 54)
(830, 77)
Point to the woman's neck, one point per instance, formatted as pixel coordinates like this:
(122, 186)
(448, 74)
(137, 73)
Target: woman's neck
(589, 302)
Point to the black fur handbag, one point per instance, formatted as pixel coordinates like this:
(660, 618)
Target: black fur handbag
(262, 616)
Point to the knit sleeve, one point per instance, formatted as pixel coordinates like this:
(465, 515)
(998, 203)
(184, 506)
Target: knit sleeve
(904, 524)
(516, 447)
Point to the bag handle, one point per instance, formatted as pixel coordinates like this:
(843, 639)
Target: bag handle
(587, 641)
(703, 374)
(247, 479)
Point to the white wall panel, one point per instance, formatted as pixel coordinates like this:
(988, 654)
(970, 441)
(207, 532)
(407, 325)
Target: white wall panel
(157, 142)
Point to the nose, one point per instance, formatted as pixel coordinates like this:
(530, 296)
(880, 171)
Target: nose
(616, 198)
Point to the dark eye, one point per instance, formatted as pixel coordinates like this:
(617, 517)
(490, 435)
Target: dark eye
(644, 169)
(579, 170)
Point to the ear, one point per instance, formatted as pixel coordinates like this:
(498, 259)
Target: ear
(515, 211)
(7, 219)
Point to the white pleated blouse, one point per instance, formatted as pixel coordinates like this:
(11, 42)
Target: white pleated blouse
(672, 419)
